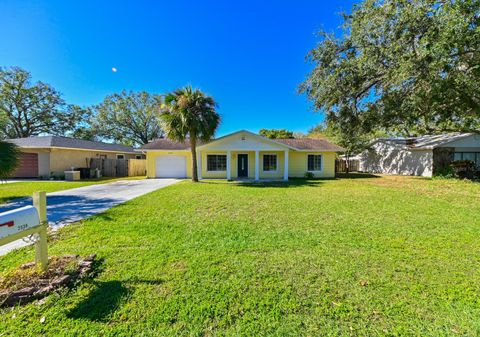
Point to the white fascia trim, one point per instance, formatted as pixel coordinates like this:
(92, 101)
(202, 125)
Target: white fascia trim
(162, 150)
(251, 134)
(425, 148)
(323, 151)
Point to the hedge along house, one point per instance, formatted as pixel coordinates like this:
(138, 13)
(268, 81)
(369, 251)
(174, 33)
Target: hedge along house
(243, 155)
(419, 156)
(46, 156)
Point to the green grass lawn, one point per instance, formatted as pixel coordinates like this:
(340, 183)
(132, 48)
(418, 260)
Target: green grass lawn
(27, 188)
(350, 257)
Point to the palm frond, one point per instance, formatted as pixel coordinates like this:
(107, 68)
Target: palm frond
(189, 112)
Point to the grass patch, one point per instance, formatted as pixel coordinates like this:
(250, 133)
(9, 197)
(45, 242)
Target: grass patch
(27, 188)
(390, 256)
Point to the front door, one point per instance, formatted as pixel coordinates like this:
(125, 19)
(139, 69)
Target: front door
(242, 165)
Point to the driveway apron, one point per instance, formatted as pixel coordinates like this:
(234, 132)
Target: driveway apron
(64, 207)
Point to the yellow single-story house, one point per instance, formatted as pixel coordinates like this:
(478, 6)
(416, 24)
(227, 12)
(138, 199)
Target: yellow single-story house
(46, 156)
(242, 155)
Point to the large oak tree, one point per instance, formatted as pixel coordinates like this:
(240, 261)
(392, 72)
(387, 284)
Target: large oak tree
(30, 109)
(128, 117)
(276, 133)
(405, 67)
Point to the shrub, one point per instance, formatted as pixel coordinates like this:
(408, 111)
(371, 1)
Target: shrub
(463, 164)
(464, 168)
(446, 172)
(309, 175)
(9, 159)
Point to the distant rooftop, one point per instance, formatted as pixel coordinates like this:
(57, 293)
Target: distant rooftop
(427, 141)
(316, 144)
(70, 143)
(167, 144)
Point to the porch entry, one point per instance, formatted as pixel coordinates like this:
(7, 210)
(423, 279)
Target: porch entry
(242, 165)
(219, 164)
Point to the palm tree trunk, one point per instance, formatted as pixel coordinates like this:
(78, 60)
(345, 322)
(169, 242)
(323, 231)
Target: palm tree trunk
(193, 148)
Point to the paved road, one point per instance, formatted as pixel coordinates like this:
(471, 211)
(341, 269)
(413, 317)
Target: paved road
(64, 207)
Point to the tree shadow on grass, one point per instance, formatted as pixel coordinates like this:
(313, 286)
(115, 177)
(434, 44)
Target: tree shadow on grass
(105, 299)
(300, 182)
(291, 183)
(101, 302)
(104, 216)
(356, 175)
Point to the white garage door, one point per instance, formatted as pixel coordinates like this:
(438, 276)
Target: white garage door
(171, 167)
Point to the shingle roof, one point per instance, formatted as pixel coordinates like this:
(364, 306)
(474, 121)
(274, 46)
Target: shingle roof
(66, 142)
(436, 140)
(313, 144)
(310, 144)
(427, 141)
(166, 144)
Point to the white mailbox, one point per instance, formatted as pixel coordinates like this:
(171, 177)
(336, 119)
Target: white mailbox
(24, 221)
(18, 220)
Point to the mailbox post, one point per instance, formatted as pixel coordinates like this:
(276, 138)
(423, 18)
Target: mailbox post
(25, 221)
(41, 248)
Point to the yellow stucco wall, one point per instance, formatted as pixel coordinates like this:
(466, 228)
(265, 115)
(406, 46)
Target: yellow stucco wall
(152, 161)
(297, 164)
(55, 161)
(63, 159)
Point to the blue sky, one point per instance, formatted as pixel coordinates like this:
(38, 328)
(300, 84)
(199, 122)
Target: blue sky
(249, 55)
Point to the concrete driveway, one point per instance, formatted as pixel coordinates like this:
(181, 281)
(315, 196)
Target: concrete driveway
(64, 207)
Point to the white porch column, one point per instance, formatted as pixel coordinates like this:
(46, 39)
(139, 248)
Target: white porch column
(257, 159)
(199, 164)
(229, 160)
(285, 170)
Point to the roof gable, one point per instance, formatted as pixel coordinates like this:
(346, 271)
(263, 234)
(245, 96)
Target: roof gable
(244, 140)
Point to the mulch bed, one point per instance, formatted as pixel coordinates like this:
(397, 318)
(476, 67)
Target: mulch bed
(28, 282)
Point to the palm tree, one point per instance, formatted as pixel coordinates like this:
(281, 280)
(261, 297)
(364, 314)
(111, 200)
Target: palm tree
(9, 158)
(189, 114)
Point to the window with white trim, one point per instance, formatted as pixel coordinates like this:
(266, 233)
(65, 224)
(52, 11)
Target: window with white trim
(120, 156)
(216, 162)
(269, 162)
(314, 162)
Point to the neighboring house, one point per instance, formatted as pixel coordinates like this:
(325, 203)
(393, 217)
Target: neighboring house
(420, 156)
(243, 155)
(46, 156)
